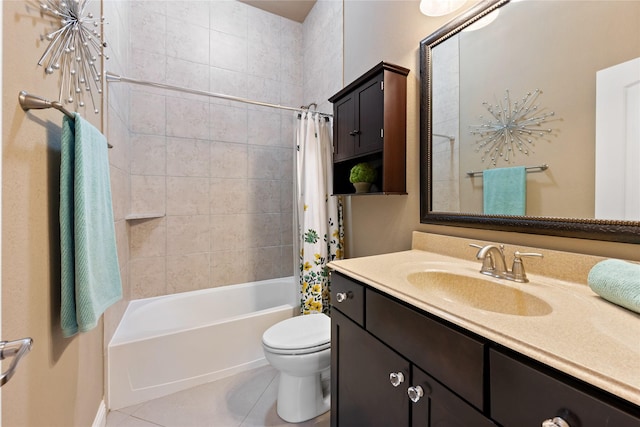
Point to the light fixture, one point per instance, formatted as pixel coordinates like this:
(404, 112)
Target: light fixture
(484, 21)
(440, 7)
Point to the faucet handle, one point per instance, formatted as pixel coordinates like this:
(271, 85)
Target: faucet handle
(517, 270)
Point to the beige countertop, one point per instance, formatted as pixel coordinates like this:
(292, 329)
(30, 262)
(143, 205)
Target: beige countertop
(580, 334)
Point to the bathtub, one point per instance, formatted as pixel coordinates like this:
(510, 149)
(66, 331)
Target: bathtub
(171, 343)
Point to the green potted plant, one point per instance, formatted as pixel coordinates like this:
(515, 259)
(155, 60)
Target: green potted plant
(361, 176)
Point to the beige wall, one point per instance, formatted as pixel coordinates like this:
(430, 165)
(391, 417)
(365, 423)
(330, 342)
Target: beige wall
(523, 64)
(391, 31)
(60, 382)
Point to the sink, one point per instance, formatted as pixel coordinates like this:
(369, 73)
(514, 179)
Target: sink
(480, 293)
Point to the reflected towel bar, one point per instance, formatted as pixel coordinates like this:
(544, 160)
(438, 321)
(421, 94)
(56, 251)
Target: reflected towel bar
(528, 169)
(33, 102)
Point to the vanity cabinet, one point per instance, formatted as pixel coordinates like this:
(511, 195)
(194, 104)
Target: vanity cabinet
(369, 125)
(373, 383)
(383, 349)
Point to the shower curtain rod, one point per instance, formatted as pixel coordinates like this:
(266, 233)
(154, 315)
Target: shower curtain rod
(112, 77)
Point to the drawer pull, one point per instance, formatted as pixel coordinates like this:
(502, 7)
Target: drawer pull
(343, 296)
(396, 378)
(555, 422)
(415, 393)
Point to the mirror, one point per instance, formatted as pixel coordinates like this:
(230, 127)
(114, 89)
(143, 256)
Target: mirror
(555, 56)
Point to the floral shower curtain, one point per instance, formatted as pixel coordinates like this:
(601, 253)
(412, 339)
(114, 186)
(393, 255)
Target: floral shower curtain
(319, 215)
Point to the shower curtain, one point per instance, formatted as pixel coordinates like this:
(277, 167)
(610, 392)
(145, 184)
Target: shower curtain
(319, 215)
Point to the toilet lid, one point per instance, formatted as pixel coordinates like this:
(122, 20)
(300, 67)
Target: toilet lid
(312, 331)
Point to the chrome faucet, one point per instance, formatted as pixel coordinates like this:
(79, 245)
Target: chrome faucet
(494, 263)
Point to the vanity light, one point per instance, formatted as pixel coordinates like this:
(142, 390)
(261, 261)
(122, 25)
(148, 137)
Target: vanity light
(439, 7)
(484, 21)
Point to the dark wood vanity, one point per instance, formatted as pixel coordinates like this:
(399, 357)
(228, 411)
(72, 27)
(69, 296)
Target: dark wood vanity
(386, 353)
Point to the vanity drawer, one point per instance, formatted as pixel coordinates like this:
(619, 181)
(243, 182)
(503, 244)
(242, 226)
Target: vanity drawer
(348, 297)
(522, 395)
(451, 357)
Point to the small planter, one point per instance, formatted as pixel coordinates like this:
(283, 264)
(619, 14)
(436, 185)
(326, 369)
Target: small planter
(362, 187)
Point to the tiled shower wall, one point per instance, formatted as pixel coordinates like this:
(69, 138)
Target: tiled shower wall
(217, 172)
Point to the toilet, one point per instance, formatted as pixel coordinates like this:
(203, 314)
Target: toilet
(300, 349)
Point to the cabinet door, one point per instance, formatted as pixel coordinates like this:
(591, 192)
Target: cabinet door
(521, 395)
(361, 392)
(344, 139)
(439, 407)
(370, 116)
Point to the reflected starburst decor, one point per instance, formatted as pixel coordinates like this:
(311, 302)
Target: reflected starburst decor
(75, 44)
(511, 127)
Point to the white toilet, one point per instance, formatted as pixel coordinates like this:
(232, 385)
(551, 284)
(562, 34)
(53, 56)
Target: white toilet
(300, 348)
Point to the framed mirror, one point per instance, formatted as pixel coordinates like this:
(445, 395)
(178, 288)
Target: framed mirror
(528, 85)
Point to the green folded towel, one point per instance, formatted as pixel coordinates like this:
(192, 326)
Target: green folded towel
(90, 275)
(618, 282)
(505, 191)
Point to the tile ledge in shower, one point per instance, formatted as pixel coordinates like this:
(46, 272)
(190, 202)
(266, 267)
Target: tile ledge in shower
(133, 217)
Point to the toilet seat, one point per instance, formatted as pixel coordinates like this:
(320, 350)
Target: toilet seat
(299, 335)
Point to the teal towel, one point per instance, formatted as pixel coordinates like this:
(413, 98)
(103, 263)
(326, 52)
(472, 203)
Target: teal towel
(90, 275)
(617, 281)
(505, 191)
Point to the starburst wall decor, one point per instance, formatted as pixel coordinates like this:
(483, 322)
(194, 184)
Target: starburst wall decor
(512, 127)
(75, 46)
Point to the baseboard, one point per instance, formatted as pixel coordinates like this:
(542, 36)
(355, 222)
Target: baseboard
(101, 416)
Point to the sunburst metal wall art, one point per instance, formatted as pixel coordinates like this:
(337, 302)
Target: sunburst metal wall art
(512, 127)
(74, 49)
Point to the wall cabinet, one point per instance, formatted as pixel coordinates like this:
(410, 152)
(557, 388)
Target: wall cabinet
(394, 365)
(370, 126)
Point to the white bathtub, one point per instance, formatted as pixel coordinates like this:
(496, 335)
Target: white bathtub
(174, 342)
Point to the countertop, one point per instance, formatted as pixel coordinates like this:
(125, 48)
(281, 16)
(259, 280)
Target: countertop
(583, 335)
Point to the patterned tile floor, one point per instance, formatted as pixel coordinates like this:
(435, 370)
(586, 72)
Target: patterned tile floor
(247, 399)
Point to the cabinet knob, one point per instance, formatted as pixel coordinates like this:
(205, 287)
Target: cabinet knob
(354, 132)
(555, 422)
(396, 378)
(343, 296)
(415, 393)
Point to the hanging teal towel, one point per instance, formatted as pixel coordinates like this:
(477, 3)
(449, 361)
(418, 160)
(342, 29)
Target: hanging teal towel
(617, 281)
(505, 191)
(90, 275)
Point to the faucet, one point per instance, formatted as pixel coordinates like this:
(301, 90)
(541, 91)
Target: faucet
(494, 263)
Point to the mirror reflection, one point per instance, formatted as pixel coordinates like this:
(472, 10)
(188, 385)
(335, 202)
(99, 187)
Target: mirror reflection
(579, 60)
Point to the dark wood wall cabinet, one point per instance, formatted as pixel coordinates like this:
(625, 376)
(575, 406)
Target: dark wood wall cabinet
(395, 365)
(370, 125)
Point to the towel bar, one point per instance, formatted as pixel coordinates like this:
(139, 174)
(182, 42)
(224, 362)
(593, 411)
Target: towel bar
(528, 169)
(33, 102)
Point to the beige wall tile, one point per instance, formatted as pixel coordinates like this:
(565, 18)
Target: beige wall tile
(187, 234)
(148, 277)
(228, 160)
(229, 267)
(229, 232)
(264, 230)
(187, 273)
(188, 157)
(228, 196)
(148, 155)
(187, 196)
(119, 192)
(148, 238)
(148, 194)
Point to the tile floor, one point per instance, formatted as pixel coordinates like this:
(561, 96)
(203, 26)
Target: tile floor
(247, 399)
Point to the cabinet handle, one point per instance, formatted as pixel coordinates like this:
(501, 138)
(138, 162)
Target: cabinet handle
(396, 378)
(555, 422)
(354, 132)
(415, 393)
(343, 296)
